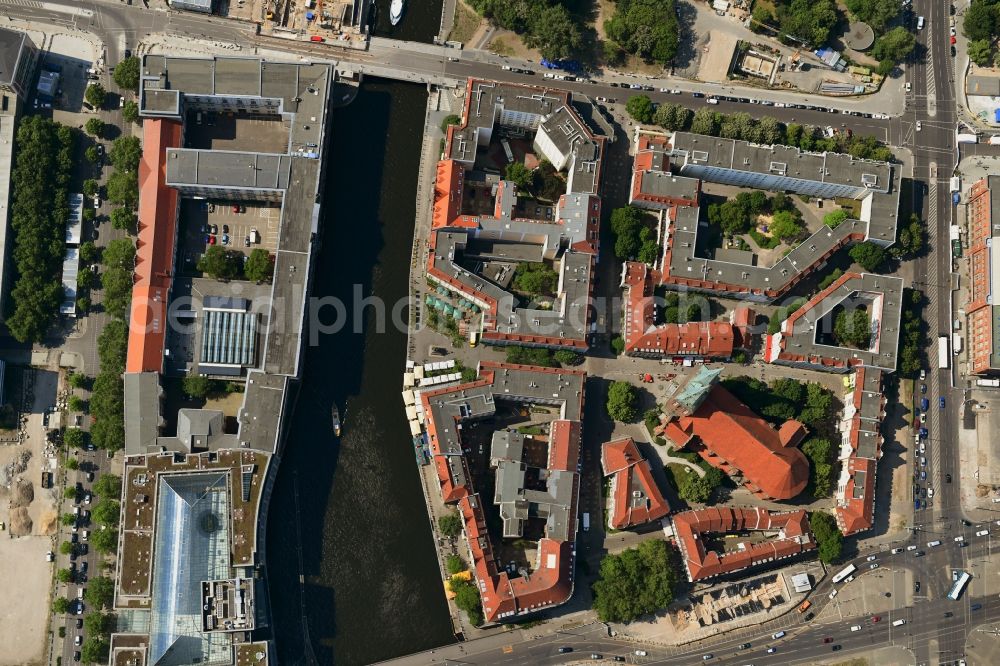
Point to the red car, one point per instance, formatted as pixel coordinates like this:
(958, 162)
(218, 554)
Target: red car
(827, 640)
(876, 618)
(316, 38)
(953, 40)
(211, 240)
(236, 209)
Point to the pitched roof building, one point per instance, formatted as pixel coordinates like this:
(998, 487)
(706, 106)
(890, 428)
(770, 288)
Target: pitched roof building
(860, 451)
(983, 310)
(465, 231)
(791, 536)
(704, 417)
(634, 498)
(507, 595)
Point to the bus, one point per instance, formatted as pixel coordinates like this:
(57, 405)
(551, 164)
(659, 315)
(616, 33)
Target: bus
(943, 351)
(959, 586)
(844, 573)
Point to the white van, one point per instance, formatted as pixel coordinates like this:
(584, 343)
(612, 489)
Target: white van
(959, 539)
(856, 627)
(778, 635)
(982, 532)
(931, 544)
(898, 623)
(586, 522)
(833, 594)
(920, 23)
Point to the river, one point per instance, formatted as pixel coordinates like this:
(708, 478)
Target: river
(372, 585)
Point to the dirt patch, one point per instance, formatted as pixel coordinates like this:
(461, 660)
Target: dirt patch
(20, 522)
(467, 24)
(27, 579)
(47, 523)
(714, 65)
(22, 494)
(507, 43)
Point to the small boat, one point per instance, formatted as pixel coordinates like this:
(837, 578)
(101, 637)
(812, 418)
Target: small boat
(396, 11)
(335, 413)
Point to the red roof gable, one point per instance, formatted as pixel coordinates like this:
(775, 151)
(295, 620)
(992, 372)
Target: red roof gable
(631, 473)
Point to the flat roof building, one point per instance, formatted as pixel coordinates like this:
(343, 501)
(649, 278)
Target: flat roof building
(18, 62)
(634, 498)
(507, 595)
(687, 158)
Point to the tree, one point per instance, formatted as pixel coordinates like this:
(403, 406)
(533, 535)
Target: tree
(520, 175)
(555, 33)
(124, 219)
(450, 119)
(92, 154)
(876, 13)
(626, 222)
(60, 605)
(95, 95)
(785, 226)
(89, 214)
(91, 187)
(98, 624)
(535, 279)
(622, 397)
(980, 22)
(197, 386)
(617, 345)
(75, 437)
(89, 253)
(450, 524)
(645, 28)
(100, 592)
(220, 263)
(789, 389)
(259, 266)
(69, 493)
(123, 188)
(770, 130)
(130, 112)
(895, 45)
(981, 51)
(695, 488)
(635, 582)
(454, 564)
(125, 153)
(108, 485)
(66, 548)
(649, 252)
(467, 598)
(640, 107)
(829, 540)
(810, 20)
(869, 255)
(104, 540)
(94, 127)
(64, 576)
(567, 357)
(106, 512)
(95, 650)
(68, 519)
(819, 451)
(530, 356)
(835, 218)
(127, 74)
(761, 17)
(853, 328)
(705, 121)
(72, 464)
(76, 403)
(673, 117)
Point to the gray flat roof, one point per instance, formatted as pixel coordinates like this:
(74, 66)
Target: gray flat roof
(261, 415)
(142, 412)
(226, 169)
(11, 43)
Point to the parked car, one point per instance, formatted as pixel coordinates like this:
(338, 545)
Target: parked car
(316, 38)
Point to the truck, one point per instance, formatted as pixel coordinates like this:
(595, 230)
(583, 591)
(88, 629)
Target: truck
(956, 344)
(956, 184)
(943, 351)
(955, 236)
(586, 522)
(804, 606)
(993, 383)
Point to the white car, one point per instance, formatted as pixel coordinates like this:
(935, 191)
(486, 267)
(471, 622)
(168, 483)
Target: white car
(909, 548)
(675, 92)
(778, 635)
(908, 87)
(896, 550)
(506, 68)
(982, 533)
(833, 594)
(97, 202)
(919, 125)
(959, 539)
(664, 90)
(870, 558)
(874, 565)
(713, 100)
(640, 653)
(930, 492)
(856, 627)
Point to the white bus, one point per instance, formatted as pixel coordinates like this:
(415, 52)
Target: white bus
(844, 573)
(959, 586)
(943, 351)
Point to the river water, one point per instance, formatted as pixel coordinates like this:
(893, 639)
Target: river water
(372, 588)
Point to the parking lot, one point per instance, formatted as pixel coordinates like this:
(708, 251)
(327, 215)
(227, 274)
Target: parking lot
(202, 220)
(226, 131)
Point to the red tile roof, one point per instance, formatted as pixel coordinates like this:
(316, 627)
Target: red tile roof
(734, 439)
(714, 339)
(631, 473)
(154, 248)
(551, 583)
(855, 511)
(794, 537)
